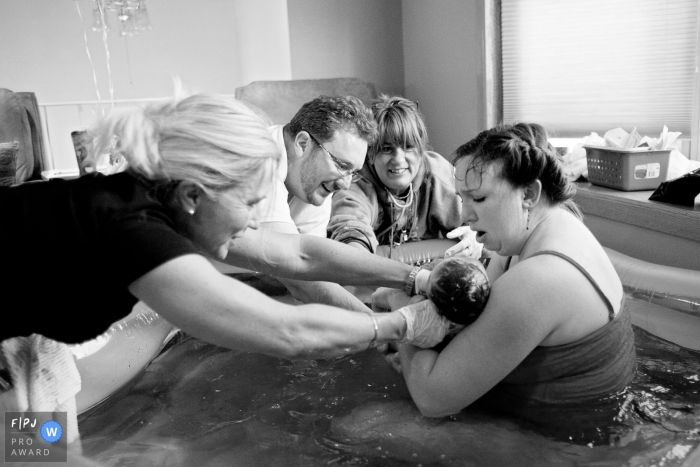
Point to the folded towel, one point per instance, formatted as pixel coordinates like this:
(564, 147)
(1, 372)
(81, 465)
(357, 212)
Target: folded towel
(45, 378)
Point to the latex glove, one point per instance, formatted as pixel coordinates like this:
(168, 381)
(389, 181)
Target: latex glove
(467, 245)
(387, 299)
(422, 282)
(425, 328)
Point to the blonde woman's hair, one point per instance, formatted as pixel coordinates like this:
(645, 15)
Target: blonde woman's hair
(213, 141)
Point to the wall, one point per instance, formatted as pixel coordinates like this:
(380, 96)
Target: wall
(434, 48)
(443, 68)
(340, 38)
(215, 46)
(431, 52)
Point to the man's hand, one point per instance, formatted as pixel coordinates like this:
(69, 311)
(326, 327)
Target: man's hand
(386, 299)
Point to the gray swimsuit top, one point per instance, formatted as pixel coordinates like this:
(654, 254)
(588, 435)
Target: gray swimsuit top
(597, 365)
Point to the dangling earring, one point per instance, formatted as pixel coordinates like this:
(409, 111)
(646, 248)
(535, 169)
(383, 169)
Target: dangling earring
(527, 222)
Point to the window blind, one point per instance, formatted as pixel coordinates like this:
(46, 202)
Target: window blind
(579, 66)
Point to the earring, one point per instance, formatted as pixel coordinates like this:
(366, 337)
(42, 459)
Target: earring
(190, 211)
(527, 222)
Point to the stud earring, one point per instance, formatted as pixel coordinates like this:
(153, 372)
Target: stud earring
(190, 211)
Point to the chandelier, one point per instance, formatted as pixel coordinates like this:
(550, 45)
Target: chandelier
(132, 16)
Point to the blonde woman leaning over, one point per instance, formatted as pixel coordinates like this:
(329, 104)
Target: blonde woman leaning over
(196, 168)
(555, 330)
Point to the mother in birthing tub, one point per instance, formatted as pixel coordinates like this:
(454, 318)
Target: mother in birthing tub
(555, 331)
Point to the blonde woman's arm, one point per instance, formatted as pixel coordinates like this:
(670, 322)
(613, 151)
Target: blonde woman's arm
(190, 293)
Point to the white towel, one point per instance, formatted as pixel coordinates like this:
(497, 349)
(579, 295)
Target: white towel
(45, 378)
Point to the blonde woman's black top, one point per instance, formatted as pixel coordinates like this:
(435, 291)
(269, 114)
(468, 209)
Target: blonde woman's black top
(71, 248)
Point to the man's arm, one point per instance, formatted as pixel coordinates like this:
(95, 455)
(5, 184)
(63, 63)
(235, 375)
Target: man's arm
(314, 291)
(326, 293)
(310, 258)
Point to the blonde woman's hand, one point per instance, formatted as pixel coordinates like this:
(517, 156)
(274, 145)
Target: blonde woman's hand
(425, 327)
(467, 246)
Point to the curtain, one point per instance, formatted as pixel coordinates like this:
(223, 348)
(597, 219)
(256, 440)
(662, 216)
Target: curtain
(579, 66)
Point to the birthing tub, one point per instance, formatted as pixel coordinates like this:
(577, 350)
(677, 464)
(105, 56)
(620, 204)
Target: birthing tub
(199, 404)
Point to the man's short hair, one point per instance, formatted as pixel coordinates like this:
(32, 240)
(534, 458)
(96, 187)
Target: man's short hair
(325, 115)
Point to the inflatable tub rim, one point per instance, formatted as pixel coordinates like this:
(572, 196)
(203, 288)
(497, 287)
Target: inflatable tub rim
(112, 360)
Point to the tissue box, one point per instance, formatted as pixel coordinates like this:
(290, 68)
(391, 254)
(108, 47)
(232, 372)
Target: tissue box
(627, 169)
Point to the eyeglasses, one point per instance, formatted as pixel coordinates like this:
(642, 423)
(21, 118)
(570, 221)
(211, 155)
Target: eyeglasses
(343, 168)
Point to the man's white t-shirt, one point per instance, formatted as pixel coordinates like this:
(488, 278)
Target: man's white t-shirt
(280, 206)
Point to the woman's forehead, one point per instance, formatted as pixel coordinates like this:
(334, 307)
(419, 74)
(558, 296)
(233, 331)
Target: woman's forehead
(473, 175)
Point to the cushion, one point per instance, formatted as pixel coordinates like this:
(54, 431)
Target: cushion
(8, 163)
(32, 107)
(20, 122)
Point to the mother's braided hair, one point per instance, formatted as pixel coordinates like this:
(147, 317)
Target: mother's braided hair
(526, 155)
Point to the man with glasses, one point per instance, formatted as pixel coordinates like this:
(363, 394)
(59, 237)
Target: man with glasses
(323, 148)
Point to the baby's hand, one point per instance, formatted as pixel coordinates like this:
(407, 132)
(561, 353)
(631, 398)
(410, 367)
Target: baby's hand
(391, 355)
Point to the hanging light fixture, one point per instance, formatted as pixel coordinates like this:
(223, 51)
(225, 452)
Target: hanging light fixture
(132, 16)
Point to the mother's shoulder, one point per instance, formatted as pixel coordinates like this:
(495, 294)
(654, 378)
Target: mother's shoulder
(525, 272)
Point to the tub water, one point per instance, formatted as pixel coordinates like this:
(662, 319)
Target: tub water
(202, 405)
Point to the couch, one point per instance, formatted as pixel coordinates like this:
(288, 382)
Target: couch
(280, 100)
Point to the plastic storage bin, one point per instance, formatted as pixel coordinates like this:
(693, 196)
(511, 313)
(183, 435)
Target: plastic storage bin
(627, 169)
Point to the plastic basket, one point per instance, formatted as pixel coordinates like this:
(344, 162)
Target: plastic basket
(627, 169)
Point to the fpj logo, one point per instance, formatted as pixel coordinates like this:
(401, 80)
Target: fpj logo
(35, 437)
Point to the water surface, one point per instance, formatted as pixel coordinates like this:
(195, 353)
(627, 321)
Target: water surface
(198, 404)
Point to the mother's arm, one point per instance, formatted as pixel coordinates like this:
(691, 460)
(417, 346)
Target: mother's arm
(515, 321)
(190, 293)
(311, 258)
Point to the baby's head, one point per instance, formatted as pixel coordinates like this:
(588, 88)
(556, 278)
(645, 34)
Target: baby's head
(459, 287)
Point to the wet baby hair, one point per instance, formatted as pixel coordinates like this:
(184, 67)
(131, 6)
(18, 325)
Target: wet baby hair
(460, 289)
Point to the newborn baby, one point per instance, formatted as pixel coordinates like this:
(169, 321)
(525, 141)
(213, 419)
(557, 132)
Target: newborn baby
(459, 287)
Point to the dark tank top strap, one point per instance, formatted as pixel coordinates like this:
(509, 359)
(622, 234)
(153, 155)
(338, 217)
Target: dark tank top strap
(611, 310)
